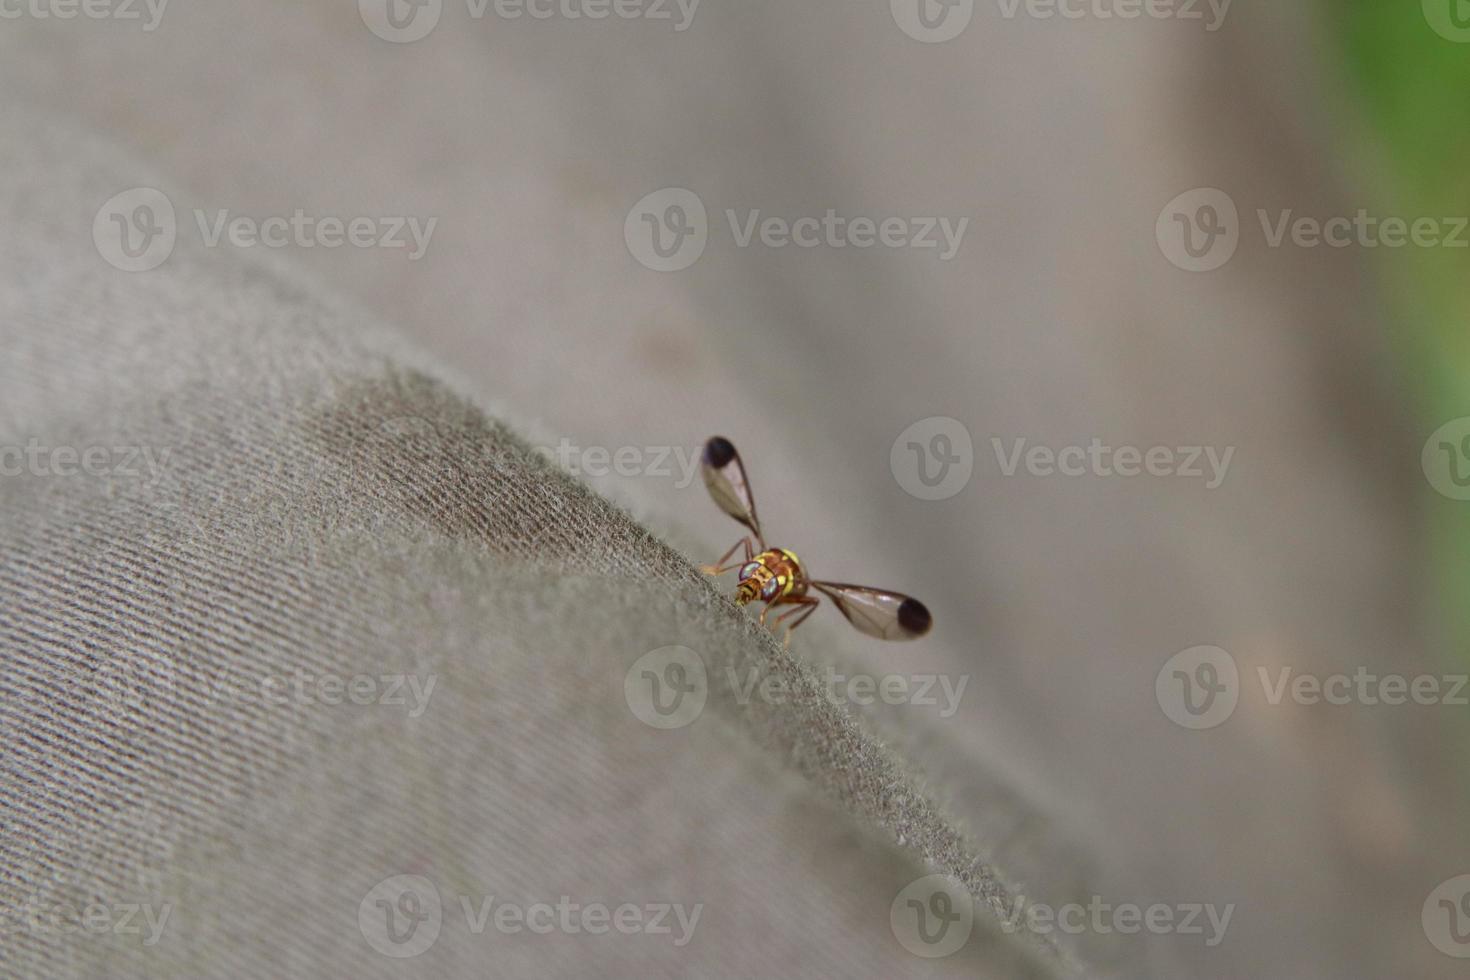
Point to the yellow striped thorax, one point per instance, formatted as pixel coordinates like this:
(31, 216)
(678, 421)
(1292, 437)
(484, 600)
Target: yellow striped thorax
(770, 576)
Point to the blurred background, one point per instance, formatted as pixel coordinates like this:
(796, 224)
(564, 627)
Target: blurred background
(1395, 80)
(1115, 196)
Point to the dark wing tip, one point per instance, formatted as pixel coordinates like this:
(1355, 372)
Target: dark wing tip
(914, 618)
(718, 452)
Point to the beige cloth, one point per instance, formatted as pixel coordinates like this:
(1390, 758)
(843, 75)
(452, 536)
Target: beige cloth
(337, 500)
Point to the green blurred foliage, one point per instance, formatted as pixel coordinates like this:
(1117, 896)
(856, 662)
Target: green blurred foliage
(1410, 86)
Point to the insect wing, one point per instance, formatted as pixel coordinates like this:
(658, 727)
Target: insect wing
(724, 475)
(886, 615)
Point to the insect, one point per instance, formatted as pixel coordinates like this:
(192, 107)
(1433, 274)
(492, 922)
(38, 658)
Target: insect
(776, 576)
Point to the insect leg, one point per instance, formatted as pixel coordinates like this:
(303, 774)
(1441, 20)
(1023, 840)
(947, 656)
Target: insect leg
(806, 605)
(716, 568)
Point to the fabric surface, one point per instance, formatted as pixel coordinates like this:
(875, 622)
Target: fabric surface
(348, 491)
(320, 510)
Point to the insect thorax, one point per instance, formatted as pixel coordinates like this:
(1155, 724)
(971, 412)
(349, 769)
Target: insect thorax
(771, 575)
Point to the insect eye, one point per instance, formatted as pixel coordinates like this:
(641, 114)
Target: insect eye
(772, 587)
(748, 570)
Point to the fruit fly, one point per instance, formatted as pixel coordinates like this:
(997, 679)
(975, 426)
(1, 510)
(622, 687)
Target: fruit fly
(776, 576)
